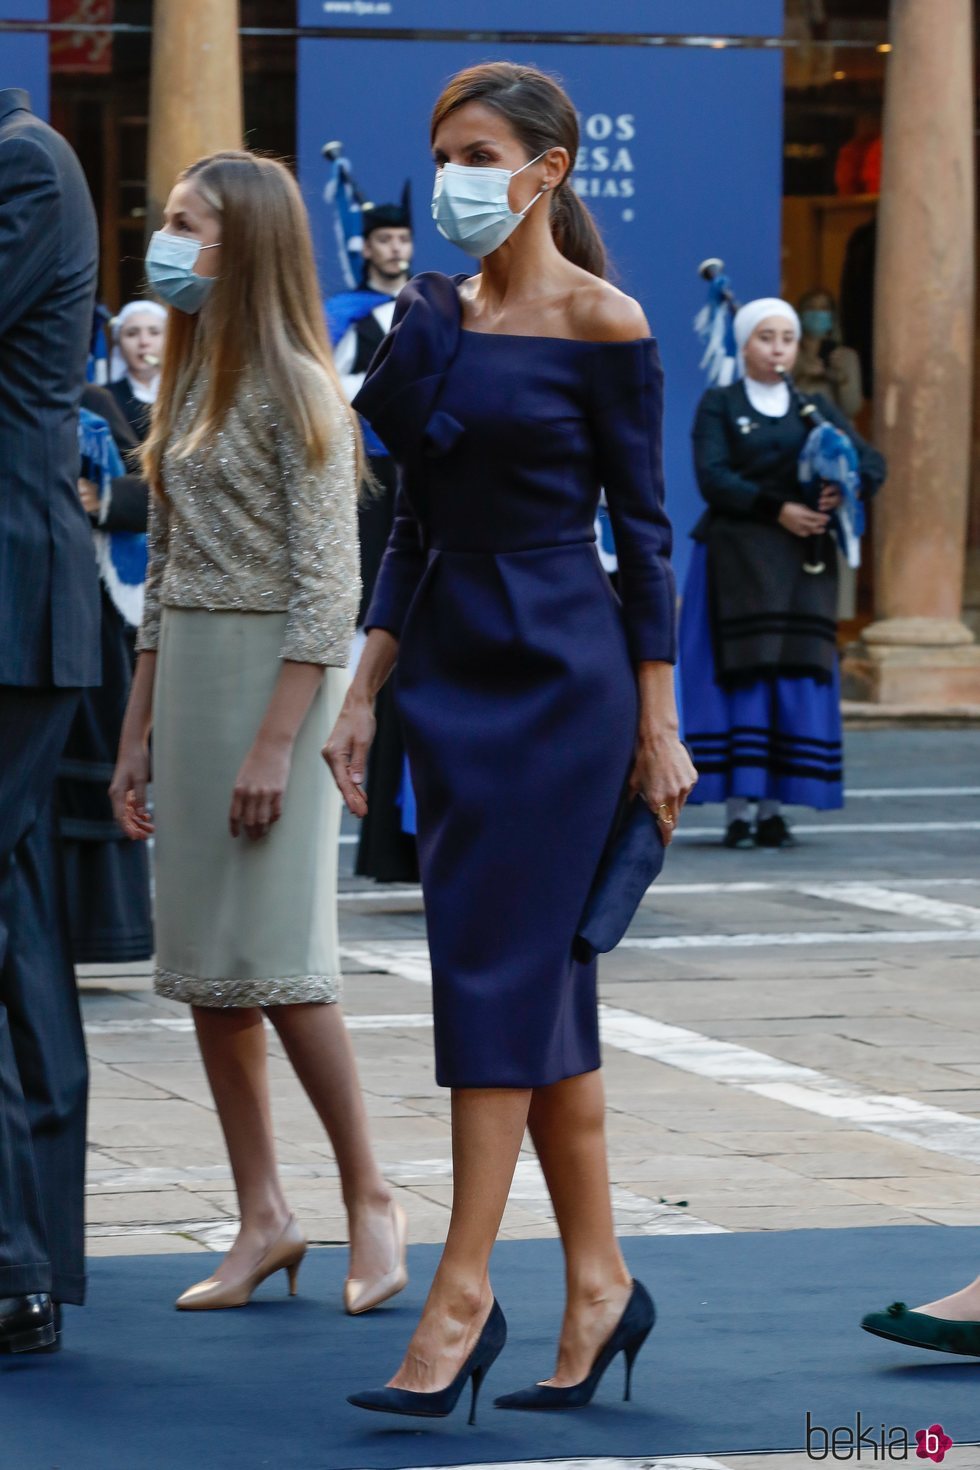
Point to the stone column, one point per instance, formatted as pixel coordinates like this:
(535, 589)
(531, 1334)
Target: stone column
(971, 595)
(195, 89)
(919, 652)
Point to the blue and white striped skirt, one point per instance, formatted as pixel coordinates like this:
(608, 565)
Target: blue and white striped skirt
(776, 738)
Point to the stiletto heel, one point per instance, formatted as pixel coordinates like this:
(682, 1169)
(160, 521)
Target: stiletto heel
(285, 1254)
(630, 1334)
(441, 1403)
(629, 1353)
(477, 1380)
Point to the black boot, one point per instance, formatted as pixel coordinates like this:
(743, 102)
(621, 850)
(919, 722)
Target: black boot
(27, 1323)
(773, 832)
(738, 834)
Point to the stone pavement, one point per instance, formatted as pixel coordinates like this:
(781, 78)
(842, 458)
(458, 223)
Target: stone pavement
(791, 1039)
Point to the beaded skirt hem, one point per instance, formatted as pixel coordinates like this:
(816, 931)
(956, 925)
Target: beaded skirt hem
(219, 994)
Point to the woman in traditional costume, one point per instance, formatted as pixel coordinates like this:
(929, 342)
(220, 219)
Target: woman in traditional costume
(758, 634)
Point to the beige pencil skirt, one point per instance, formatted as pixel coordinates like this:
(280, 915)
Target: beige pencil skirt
(239, 922)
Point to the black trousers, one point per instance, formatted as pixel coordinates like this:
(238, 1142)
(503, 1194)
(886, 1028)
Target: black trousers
(43, 1069)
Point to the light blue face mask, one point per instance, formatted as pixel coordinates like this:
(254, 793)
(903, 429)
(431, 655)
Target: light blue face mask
(471, 206)
(170, 262)
(817, 321)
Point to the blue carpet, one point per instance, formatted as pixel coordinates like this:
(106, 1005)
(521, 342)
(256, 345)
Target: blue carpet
(753, 1331)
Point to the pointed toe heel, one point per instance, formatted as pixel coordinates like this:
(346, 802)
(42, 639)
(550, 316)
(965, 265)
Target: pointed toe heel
(440, 1405)
(631, 1332)
(218, 1293)
(362, 1296)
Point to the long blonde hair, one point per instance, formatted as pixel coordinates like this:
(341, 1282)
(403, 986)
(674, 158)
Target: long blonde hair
(263, 312)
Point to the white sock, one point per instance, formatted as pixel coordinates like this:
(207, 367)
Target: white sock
(769, 808)
(736, 809)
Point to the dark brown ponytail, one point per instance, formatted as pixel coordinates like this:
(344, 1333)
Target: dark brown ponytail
(576, 232)
(542, 116)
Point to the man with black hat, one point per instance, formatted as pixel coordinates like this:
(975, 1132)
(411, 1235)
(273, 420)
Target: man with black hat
(359, 321)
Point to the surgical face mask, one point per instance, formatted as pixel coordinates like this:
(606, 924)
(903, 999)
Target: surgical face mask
(471, 206)
(170, 262)
(817, 323)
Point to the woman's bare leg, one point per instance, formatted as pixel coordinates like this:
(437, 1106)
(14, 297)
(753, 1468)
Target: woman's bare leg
(961, 1306)
(233, 1050)
(488, 1128)
(318, 1046)
(568, 1128)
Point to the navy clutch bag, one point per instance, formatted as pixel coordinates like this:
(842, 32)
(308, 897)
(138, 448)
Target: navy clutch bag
(633, 859)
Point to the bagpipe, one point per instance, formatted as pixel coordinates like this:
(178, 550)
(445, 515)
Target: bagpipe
(351, 211)
(828, 455)
(347, 203)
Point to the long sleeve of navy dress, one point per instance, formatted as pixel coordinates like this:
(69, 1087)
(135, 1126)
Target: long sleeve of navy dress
(516, 675)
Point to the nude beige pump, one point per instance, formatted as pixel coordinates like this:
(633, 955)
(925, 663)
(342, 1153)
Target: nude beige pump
(285, 1254)
(361, 1296)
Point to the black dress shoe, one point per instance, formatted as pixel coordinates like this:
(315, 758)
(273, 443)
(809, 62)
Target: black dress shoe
(52, 1347)
(26, 1323)
(738, 834)
(773, 832)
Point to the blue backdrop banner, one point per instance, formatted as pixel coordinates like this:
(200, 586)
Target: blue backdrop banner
(593, 17)
(680, 159)
(24, 58)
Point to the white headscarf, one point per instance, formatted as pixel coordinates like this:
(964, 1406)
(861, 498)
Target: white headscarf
(117, 363)
(749, 316)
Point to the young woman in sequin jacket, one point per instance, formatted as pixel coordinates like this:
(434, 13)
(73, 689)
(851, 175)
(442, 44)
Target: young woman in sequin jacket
(253, 586)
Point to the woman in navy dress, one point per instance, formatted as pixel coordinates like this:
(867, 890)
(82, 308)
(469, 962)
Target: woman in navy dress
(529, 694)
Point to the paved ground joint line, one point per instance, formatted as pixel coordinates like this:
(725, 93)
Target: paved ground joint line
(940, 1130)
(896, 901)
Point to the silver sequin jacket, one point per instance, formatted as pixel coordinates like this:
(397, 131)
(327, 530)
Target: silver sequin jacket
(246, 526)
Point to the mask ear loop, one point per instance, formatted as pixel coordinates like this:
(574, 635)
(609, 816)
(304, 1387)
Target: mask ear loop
(541, 192)
(540, 195)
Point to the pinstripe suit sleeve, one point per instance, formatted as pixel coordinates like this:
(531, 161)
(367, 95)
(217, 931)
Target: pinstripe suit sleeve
(30, 227)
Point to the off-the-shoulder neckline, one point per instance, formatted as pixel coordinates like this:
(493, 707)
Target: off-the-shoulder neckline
(574, 341)
(530, 336)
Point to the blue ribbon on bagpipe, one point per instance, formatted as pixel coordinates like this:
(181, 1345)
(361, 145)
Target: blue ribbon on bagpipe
(713, 325)
(829, 455)
(120, 555)
(347, 205)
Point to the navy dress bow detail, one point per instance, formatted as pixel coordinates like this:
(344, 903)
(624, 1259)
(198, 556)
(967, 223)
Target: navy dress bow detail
(406, 376)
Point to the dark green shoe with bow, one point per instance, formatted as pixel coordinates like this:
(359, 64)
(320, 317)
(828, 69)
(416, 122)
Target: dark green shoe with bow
(918, 1329)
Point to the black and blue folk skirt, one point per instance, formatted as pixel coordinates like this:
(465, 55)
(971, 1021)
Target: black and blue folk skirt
(777, 737)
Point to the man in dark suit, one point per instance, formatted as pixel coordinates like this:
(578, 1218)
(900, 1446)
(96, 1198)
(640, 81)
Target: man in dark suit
(49, 651)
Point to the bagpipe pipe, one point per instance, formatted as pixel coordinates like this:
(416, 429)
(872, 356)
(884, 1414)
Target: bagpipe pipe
(351, 209)
(828, 455)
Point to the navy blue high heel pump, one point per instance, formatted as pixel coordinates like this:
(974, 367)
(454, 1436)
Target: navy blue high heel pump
(631, 1333)
(440, 1404)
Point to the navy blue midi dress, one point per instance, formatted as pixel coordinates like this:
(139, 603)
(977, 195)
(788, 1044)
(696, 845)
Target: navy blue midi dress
(516, 673)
